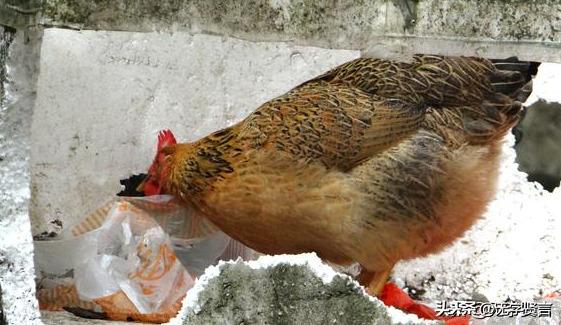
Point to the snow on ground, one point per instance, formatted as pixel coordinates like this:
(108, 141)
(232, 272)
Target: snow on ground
(546, 85)
(16, 249)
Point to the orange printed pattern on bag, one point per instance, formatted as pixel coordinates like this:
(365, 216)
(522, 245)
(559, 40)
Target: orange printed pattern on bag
(54, 299)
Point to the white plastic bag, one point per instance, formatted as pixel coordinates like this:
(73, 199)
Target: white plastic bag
(135, 255)
(130, 246)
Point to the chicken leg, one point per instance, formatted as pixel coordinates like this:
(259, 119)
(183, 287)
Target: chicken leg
(374, 282)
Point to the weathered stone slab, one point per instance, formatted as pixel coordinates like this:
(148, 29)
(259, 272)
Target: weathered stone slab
(283, 289)
(396, 28)
(19, 14)
(16, 249)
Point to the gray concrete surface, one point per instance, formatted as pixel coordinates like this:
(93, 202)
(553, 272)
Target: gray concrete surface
(19, 14)
(16, 249)
(382, 28)
(283, 289)
(396, 28)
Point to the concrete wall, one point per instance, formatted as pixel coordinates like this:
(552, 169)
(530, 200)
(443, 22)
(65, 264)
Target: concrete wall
(382, 28)
(388, 28)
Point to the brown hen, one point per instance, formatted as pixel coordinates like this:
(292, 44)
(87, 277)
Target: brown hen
(372, 162)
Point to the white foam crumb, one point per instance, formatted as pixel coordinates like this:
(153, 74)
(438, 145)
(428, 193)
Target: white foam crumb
(546, 83)
(315, 264)
(16, 248)
(399, 317)
(321, 270)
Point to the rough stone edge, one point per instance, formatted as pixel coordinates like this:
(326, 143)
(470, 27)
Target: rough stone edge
(402, 47)
(6, 38)
(396, 28)
(314, 264)
(19, 14)
(392, 29)
(16, 247)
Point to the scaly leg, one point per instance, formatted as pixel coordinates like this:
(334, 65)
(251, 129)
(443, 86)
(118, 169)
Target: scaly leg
(374, 282)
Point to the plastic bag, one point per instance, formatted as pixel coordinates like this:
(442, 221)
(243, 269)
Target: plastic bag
(123, 259)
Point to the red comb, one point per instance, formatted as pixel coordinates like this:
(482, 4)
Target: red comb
(165, 138)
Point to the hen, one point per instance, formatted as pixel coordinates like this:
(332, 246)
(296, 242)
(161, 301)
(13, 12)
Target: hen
(373, 162)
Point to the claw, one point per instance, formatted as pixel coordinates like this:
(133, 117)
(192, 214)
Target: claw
(393, 296)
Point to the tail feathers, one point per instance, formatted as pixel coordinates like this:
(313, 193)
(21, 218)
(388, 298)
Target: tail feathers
(513, 77)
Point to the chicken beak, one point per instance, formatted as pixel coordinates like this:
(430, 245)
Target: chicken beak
(140, 187)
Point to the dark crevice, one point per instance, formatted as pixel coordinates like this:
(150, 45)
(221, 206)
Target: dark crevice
(2, 317)
(538, 143)
(6, 38)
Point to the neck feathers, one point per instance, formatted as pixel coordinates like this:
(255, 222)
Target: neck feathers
(197, 166)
